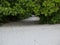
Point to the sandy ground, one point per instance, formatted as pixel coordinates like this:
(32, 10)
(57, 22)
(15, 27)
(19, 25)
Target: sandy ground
(29, 33)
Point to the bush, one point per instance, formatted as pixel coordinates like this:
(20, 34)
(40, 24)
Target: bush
(12, 9)
(47, 10)
(50, 11)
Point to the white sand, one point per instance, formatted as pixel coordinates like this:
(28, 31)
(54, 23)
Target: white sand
(17, 34)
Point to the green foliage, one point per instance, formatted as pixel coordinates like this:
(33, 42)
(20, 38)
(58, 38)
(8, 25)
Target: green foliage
(50, 11)
(47, 10)
(13, 9)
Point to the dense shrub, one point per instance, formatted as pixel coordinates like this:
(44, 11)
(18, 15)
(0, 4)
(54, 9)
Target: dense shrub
(12, 9)
(47, 10)
(50, 11)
